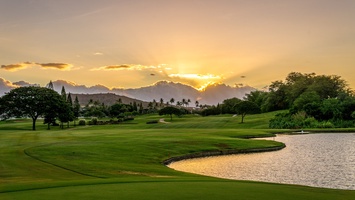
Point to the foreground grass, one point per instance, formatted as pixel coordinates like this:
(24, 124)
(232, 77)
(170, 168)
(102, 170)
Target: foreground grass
(124, 161)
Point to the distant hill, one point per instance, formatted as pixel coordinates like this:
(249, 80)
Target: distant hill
(106, 98)
(211, 95)
(216, 93)
(162, 89)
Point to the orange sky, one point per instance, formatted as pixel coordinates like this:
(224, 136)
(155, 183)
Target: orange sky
(139, 42)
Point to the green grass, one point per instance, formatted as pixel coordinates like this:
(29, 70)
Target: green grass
(125, 161)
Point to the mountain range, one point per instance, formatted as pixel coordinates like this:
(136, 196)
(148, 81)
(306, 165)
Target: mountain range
(211, 95)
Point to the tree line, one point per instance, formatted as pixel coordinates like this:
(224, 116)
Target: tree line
(35, 102)
(308, 101)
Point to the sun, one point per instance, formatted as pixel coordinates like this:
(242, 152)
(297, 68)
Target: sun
(198, 81)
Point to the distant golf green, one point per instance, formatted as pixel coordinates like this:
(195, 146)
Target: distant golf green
(124, 161)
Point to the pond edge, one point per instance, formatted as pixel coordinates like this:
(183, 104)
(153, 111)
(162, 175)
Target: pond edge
(220, 153)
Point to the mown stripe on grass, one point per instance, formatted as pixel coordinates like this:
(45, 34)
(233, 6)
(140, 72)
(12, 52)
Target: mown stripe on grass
(26, 152)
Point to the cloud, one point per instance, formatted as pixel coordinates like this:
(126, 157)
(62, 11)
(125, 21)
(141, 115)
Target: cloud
(60, 66)
(14, 67)
(24, 84)
(25, 65)
(6, 86)
(196, 76)
(126, 67)
(98, 54)
(199, 81)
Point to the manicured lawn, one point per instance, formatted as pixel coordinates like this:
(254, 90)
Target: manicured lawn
(125, 161)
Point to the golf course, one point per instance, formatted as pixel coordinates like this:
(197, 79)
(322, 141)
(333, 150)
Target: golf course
(126, 161)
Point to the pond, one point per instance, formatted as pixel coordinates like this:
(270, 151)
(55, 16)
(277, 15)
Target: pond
(319, 160)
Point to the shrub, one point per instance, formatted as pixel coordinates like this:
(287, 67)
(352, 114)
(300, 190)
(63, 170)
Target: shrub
(325, 124)
(343, 123)
(295, 121)
(152, 122)
(128, 118)
(310, 122)
(94, 121)
(82, 122)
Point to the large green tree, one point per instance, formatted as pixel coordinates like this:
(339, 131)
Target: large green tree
(32, 102)
(246, 107)
(229, 105)
(118, 109)
(284, 94)
(170, 110)
(257, 97)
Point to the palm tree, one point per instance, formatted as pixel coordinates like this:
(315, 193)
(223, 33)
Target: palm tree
(184, 102)
(161, 102)
(172, 100)
(154, 103)
(196, 103)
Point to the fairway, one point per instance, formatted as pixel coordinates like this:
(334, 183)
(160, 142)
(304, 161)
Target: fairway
(125, 161)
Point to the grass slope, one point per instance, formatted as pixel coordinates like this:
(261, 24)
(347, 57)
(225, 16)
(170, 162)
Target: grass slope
(124, 161)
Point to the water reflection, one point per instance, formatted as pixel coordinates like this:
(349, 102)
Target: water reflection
(320, 160)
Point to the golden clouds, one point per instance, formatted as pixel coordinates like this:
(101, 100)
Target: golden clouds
(196, 76)
(198, 81)
(60, 66)
(127, 67)
(6, 86)
(14, 67)
(25, 65)
(162, 72)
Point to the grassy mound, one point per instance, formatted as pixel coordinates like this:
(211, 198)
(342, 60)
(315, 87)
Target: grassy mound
(125, 161)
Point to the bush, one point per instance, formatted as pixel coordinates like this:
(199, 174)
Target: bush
(325, 124)
(310, 122)
(82, 122)
(295, 121)
(94, 121)
(152, 122)
(128, 119)
(343, 123)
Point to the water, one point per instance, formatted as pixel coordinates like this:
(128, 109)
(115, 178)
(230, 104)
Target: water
(319, 160)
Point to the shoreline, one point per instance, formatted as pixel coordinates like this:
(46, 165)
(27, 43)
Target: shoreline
(220, 153)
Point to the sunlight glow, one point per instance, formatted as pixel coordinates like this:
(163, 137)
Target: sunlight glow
(195, 76)
(204, 86)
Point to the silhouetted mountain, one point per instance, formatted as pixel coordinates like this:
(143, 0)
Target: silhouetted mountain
(106, 98)
(162, 89)
(24, 84)
(211, 95)
(79, 89)
(216, 93)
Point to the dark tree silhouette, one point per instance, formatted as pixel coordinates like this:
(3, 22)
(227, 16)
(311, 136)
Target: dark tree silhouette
(50, 85)
(169, 110)
(172, 100)
(161, 102)
(76, 109)
(246, 107)
(64, 94)
(33, 102)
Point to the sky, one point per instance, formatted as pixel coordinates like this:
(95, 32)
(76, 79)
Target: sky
(135, 43)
